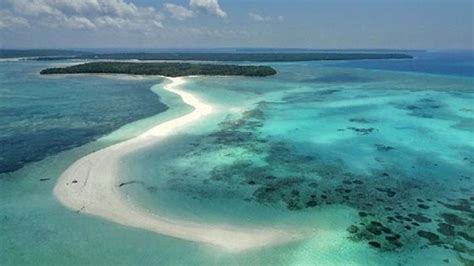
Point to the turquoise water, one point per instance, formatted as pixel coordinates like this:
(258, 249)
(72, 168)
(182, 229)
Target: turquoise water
(374, 166)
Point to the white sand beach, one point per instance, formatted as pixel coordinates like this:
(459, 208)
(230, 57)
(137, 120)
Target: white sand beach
(91, 186)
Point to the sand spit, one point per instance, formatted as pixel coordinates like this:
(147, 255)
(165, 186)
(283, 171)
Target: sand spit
(90, 185)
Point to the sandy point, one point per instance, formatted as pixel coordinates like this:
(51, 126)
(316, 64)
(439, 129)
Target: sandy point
(90, 186)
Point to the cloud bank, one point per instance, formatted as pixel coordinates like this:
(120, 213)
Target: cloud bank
(99, 14)
(84, 14)
(210, 6)
(8, 20)
(178, 12)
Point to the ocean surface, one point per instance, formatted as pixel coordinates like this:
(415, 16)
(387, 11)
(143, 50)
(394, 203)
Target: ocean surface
(372, 160)
(43, 116)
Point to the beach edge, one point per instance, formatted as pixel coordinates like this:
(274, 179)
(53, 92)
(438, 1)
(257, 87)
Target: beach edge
(90, 186)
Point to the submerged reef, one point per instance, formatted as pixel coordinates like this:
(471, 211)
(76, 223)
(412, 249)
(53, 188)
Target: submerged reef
(395, 211)
(398, 208)
(422, 108)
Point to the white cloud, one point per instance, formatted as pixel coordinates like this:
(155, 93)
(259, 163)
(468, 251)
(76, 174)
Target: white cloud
(178, 12)
(211, 6)
(87, 14)
(74, 22)
(99, 15)
(8, 20)
(258, 17)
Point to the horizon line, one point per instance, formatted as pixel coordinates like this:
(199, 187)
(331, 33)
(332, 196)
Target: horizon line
(241, 48)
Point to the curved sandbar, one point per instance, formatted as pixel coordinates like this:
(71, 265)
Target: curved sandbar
(90, 186)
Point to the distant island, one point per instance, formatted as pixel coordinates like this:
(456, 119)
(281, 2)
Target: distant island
(41, 53)
(163, 69)
(239, 57)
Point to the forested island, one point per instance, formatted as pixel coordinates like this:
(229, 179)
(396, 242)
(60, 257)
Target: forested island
(42, 53)
(163, 69)
(238, 55)
(241, 57)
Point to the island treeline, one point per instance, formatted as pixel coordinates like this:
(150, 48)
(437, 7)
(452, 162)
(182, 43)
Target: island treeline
(240, 57)
(42, 53)
(249, 54)
(163, 69)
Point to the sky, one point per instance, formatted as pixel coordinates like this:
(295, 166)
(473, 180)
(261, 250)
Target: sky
(319, 24)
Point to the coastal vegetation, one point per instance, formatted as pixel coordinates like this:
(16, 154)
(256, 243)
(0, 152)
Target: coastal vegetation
(248, 57)
(163, 69)
(41, 53)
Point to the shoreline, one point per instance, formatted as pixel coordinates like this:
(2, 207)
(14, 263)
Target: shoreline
(90, 186)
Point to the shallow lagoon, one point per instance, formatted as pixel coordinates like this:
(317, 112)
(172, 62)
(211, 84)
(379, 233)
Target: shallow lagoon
(395, 149)
(373, 166)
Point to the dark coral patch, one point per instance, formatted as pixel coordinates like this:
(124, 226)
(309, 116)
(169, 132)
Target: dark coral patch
(388, 191)
(423, 206)
(362, 120)
(375, 244)
(381, 147)
(419, 217)
(362, 131)
(446, 229)
(453, 219)
(461, 205)
(432, 237)
(353, 229)
(377, 228)
(311, 203)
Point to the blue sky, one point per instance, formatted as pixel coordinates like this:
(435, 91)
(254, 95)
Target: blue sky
(426, 24)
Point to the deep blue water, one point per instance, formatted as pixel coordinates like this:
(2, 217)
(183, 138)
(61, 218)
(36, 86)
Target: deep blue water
(459, 63)
(40, 116)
